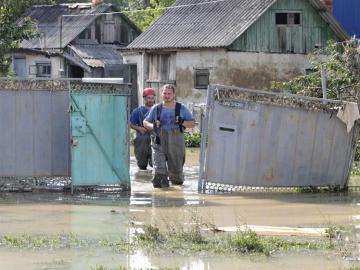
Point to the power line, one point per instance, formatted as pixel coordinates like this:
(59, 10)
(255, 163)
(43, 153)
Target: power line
(146, 10)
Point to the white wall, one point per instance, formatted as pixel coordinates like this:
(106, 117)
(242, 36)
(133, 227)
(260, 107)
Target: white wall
(249, 70)
(138, 59)
(242, 69)
(32, 59)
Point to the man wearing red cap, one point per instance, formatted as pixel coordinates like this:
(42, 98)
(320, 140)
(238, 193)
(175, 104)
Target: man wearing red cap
(142, 141)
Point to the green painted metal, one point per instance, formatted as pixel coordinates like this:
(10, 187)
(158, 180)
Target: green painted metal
(100, 144)
(265, 36)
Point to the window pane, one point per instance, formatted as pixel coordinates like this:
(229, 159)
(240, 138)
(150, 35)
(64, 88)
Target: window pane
(281, 18)
(201, 78)
(297, 18)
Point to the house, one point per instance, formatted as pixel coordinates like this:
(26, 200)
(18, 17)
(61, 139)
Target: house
(246, 43)
(75, 40)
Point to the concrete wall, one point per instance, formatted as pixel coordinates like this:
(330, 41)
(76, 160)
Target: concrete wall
(242, 69)
(138, 60)
(249, 70)
(32, 59)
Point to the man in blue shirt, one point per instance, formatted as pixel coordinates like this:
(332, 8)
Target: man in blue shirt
(142, 147)
(168, 120)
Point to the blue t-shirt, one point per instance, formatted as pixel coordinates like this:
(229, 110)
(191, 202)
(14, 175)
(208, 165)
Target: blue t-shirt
(167, 118)
(138, 115)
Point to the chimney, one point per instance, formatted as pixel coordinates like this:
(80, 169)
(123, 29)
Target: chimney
(96, 2)
(329, 5)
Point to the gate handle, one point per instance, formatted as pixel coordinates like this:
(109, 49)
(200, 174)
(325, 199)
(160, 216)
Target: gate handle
(227, 129)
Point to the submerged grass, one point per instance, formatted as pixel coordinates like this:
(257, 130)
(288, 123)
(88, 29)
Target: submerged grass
(183, 242)
(243, 242)
(102, 267)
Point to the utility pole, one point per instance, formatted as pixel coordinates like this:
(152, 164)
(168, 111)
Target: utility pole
(323, 81)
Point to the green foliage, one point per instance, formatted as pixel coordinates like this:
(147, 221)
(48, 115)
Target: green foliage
(132, 136)
(244, 242)
(357, 153)
(151, 234)
(356, 169)
(321, 189)
(192, 139)
(102, 267)
(13, 31)
(149, 12)
(341, 62)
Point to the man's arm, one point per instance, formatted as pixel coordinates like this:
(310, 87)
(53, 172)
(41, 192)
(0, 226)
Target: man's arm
(189, 121)
(148, 125)
(189, 124)
(142, 130)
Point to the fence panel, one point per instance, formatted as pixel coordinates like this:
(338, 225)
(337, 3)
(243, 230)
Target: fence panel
(34, 124)
(257, 138)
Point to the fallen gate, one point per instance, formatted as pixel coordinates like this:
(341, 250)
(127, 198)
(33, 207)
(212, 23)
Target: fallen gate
(37, 138)
(261, 139)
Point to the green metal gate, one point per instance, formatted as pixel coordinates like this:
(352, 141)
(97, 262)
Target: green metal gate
(100, 134)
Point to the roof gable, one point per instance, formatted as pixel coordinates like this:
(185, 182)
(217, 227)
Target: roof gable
(210, 23)
(50, 23)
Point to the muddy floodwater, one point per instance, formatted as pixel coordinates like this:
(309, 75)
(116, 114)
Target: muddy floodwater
(100, 216)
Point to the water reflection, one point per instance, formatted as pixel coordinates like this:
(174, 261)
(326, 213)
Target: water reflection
(114, 216)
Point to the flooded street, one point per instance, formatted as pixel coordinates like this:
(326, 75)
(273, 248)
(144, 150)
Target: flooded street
(95, 217)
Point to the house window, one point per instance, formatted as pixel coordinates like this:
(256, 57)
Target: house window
(201, 78)
(289, 32)
(43, 69)
(287, 18)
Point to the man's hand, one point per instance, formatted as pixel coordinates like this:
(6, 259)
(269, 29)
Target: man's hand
(157, 123)
(142, 130)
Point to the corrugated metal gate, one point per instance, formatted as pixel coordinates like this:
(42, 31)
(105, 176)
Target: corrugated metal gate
(257, 138)
(100, 136)
(35, 130)
(34, 124)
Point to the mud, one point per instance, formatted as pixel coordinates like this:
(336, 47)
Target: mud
(99, 216)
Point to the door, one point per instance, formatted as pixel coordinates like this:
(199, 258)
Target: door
(20, 66)
(100, 144)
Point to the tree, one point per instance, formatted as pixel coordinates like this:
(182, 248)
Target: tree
(13, 31)
(342, 66)
(147, 11)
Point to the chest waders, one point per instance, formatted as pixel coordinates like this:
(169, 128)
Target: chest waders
(168, 151)
(142, 148)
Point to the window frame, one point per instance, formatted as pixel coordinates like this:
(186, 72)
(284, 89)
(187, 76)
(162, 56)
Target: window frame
(201, 72)
(42, 74)
(288, 12)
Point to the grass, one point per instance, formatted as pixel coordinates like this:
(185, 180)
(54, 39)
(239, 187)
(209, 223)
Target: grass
(102, 267)
(193, 240)
(183, 241)
(321, 189)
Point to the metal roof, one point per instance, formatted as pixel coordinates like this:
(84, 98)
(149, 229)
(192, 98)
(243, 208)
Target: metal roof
(97, 55)
(211, 23)
(49, 23)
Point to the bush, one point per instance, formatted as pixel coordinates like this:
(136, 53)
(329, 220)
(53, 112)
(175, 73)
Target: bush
(192, 139)
(357, 153)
